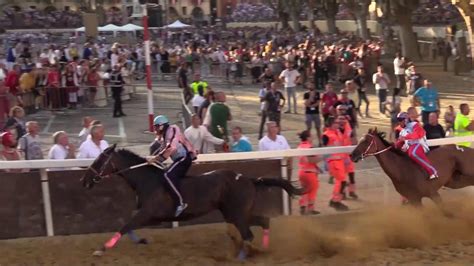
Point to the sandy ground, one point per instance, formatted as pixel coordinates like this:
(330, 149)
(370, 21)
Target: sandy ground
(381, 236)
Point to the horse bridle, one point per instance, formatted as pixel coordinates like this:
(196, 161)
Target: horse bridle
(100, 175)
(372, 142)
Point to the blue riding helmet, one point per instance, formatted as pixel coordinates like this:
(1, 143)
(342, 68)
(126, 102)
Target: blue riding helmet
(160, 120)
(403, 116)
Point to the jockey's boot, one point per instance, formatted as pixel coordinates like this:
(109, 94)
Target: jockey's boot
(353, 195)
(331, 180)
(433, 176)
(303, 210)
(338, 206)
(180, 209)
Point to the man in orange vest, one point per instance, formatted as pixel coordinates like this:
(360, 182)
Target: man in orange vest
(332, 137)
(308, 175)
(346, 132)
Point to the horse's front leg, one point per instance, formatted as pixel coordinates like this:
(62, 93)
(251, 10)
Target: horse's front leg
(436, 198)
(138, 220)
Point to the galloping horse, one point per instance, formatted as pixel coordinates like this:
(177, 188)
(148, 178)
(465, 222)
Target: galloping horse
(409, 179)
(227, 191)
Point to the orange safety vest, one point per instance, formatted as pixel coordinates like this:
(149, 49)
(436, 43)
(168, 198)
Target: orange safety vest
(347, 140)
(303, 163)
(335, 139)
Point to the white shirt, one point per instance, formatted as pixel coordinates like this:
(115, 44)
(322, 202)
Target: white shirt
(83, 135)
(58, 152)
(197, 100)
(289, 77)
(89, 150)
(266, 144)
(381, 83)
(201, 139)
(397, 66)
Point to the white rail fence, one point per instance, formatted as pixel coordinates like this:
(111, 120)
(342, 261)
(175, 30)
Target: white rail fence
(283, 155)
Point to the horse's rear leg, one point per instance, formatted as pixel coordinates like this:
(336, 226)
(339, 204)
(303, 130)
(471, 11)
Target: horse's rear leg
(264, 222)
(138, 220)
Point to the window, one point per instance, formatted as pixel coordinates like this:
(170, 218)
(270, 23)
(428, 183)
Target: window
(185, 9)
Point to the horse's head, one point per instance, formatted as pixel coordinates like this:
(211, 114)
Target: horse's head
(367, 146)
(102, 167)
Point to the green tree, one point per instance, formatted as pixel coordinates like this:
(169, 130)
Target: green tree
(330, 9)
(400, 12)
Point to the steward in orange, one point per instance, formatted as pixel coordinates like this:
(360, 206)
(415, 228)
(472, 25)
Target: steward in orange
(346, 131)
(332, 137)
(308, 174)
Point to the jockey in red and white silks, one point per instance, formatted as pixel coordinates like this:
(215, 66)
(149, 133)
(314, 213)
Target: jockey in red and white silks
(412, 139)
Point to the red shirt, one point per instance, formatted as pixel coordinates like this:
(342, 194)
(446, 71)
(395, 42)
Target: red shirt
(328, 100)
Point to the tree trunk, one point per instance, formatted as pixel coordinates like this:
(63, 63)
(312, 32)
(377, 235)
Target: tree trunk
(362, 25)
(285, 23)
(310, 13)
(407, 36)
(331, 22)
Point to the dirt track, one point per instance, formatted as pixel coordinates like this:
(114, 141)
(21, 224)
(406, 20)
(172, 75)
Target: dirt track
(390, 237)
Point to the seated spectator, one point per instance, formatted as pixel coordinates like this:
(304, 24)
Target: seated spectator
(61, 149)
(241, 143)
(449, 117)
(433, 129)
(86, 124)
(200, 137)
(16, 123)
(95, 145)
(29, 144)
(9, 151)
(272, 141)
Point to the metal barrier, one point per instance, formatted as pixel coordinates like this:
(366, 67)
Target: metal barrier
(43, 165)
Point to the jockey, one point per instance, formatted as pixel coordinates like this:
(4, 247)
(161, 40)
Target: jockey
(171, 143)
(413, 139)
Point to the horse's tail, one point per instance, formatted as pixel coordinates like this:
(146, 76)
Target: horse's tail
(278, 182)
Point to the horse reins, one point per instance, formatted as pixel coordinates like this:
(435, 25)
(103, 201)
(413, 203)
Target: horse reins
(367, 154)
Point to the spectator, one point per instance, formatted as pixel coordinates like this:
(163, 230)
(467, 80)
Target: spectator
(86, 124)
(62, 148)
(4, 102)
(328, 100)
(240, 142)
(463, 125)
(308, 175)
(203, 141)
(428, 98)
(261, 94)
(199, 89)
(205, 105)
(217, 116)
(393, 106)
(349, 107)
(381, 81)
(267, 76)
(9, 151)
(351, 89)
(449, 117)
(183, 82)
(272, 141)
(274, 102)
(399, 69)
(92, 83)
(53, 82)
(290, 78)
(95, 145)
(415, 80)
(16, 122)
(71, 83)
(361, 80)
(312, 102)
(433, 129)
(29, 144)
(12, 81)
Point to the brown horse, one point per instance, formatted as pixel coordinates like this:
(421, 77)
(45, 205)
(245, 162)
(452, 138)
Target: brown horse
(409, 179)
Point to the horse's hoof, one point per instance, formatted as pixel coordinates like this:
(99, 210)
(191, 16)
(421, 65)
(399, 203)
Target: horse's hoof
(98, 253)
(143, 241)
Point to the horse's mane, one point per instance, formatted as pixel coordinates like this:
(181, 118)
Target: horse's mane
(132, 157)
(381, 135)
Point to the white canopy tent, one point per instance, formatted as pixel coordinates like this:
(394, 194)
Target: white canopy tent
(177, 25)
(131, 27)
